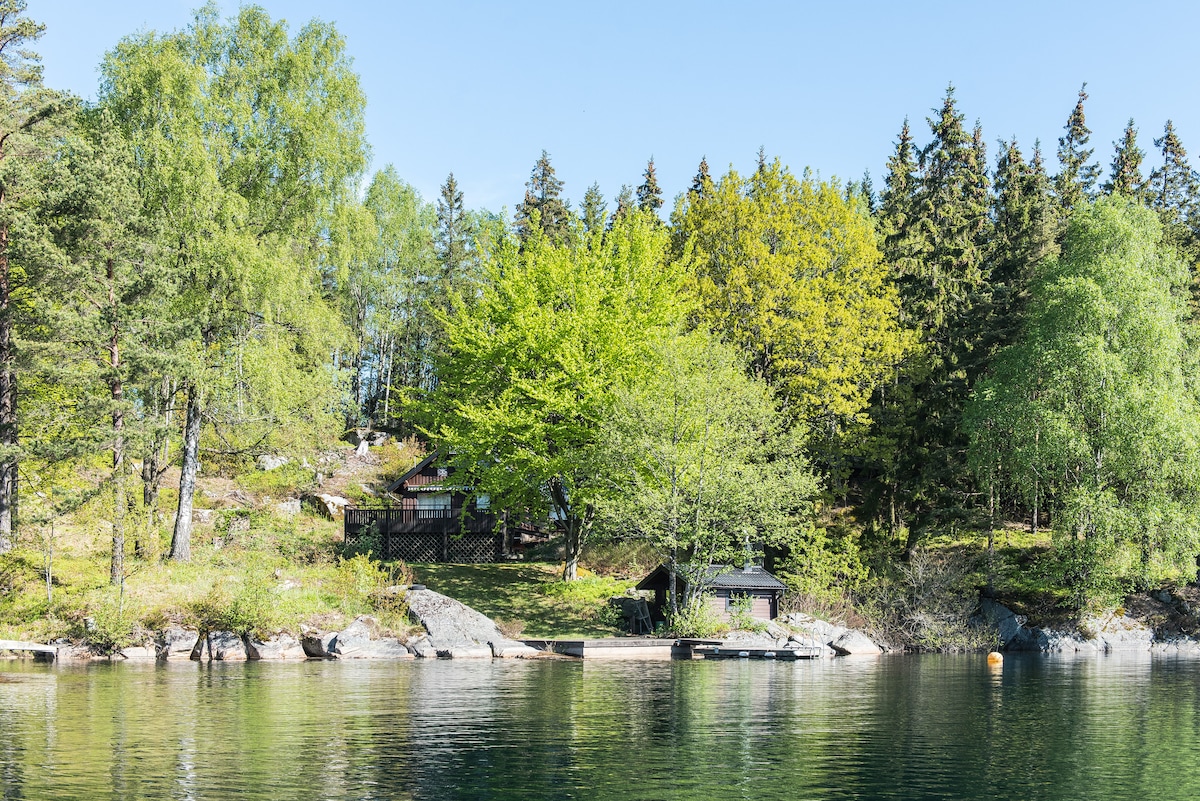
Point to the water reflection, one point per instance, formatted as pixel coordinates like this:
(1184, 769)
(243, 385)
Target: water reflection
(929, 727)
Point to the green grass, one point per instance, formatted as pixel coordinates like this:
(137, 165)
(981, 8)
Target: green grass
(530, 598)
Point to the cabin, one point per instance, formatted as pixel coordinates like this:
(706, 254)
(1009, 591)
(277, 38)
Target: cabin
(431, 518)
(725, 586)
(427, 516)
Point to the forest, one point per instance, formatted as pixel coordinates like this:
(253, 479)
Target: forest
(995, 349)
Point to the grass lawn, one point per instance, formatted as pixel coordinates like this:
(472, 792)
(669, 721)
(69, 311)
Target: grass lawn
(529, 599)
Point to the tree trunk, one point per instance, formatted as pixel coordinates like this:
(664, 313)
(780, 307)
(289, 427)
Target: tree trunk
(572, 548)
(116, 567)
(181, 538)
(8, 402)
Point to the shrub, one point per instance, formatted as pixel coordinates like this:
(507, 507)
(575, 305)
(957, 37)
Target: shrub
(251, 608)
(696, 618)
(740, 617)
(108, 625)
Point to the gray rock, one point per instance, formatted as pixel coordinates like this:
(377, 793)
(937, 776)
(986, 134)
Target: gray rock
(855, 643)
(329, 506)
(138, 653)
(359, 641)
(289, 507)
(363, 448)
(281, 646)
(512, 649)
(458, 631)
(422, 647)
(225, 646)
(269, 461)
(176, 642)
(1119, 633)
(204, 517)
(316, 645)
(1008, 625)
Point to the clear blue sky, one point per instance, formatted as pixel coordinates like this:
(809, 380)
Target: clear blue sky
(481, 88)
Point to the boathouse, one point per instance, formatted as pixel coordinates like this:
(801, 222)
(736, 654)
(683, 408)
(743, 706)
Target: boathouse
(725, 586)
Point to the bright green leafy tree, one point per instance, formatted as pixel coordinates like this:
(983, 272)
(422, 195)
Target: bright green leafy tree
(1092, 405)
(531, 364)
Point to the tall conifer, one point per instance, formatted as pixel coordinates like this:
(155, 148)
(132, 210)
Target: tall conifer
(593, 210)
(1126, 172)
(649, 195)
(702, 183)
(543, 193)
(450, 242)
(1076, 180)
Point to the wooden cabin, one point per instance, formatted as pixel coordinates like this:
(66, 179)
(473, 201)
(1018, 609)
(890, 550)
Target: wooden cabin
(725, 586)
(428, 516)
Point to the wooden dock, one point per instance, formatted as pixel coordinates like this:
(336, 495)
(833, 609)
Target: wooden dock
(775, 654)
(44, 651)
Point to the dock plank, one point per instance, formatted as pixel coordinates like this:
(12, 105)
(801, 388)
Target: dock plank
(17, 645)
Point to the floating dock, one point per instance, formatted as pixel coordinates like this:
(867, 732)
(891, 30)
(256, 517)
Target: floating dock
(776, 654)
(648, 648)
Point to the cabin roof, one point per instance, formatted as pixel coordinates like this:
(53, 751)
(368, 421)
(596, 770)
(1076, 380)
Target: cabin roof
(398, 484)
(721, 577)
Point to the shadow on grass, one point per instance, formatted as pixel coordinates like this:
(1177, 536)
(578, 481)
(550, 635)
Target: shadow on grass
(516, 592)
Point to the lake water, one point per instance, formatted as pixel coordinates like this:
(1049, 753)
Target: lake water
(899, 727)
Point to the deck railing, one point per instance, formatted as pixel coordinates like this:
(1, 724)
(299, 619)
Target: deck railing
(427, 535)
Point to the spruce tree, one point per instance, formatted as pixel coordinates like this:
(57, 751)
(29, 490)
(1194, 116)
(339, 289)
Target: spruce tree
(1172, 186)
(1076, 181)
(702, 183)
(450, 242)
(624, 205)
(649, 195)
(941, 270)
(1126, 172)
(593, 210)
(543, 194)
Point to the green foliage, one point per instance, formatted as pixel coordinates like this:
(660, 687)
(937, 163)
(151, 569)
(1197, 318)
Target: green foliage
(825, 567)
(696, 618)
(532, 361)
(698, 458)
(110, 624)
(788, 271)
(1092, 407)
(1076, 182)
(248, 607)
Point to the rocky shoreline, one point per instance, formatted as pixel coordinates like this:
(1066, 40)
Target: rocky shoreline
(452, 630)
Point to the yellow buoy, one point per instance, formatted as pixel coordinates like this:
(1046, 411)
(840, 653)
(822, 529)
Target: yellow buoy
(995, 658)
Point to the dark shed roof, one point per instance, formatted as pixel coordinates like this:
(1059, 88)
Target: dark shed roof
(721, 577)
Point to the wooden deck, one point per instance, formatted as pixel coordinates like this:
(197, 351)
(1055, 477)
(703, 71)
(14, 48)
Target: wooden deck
(44, 651)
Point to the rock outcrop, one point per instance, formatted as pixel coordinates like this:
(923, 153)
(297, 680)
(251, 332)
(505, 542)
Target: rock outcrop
(360, 640)
(457, 631)
(838, 640)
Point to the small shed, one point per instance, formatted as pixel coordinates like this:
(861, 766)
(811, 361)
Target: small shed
(725, 586)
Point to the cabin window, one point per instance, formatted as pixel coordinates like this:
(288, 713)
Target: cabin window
(443, 472)
(483, 502)
(433, 505)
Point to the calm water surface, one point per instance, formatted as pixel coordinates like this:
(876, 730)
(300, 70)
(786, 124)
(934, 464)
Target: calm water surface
(900, 727)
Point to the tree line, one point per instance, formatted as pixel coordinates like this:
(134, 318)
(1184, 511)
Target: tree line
(189, 273)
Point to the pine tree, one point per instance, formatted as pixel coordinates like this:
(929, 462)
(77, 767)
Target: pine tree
(450, 243)
(1126, 172)
(593, 210)
(896, 204)
(649, 195)
(543, 194)
(702, 183)
(27, 113)
(1076, 181)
